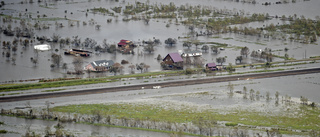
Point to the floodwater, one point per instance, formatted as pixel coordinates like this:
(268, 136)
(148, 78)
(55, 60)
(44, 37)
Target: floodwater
(79, 130)
(137, 31)
(217, 98)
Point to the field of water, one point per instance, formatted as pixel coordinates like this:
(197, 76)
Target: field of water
(137, 31)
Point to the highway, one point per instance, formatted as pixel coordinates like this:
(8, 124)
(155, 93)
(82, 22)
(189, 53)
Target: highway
(215, 79)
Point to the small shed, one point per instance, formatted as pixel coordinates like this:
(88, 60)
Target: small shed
(173, 61)
(211, 66)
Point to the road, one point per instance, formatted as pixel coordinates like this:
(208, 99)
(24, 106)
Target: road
(161, 84)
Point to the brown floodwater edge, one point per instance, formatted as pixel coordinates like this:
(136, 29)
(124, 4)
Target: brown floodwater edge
(161, 84)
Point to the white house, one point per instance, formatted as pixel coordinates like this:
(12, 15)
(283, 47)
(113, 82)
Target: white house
(192, 53)
(42, 47)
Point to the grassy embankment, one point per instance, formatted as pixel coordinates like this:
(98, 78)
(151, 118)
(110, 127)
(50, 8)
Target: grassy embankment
(305, 119)
(63, 83)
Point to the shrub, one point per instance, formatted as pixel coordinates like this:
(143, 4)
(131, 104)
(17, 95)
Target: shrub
(189, 71)
(231, 124)
(3, 131)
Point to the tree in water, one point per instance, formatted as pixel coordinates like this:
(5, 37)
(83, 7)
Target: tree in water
(258, 95)
(205, 48)
(159, 57)
(239, 58)
(221, 60)
(251, 94)
(56, 59)
(268, 96)
(77, 63)
(214, 49)
(141, 66)
(244, 52)
(112, 48)
(132, 67)
(187, 44)
(8, 55)
(55, 38)
(230, 88)
(64, 66)
(245, 93)
(277, 98)
(196, 43)
(116, 68)
(34, 61)
(170, 41)
(149, 48)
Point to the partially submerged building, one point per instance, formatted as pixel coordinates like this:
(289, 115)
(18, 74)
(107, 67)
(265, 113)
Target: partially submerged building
(194, 53)
(172, 61)
(126, 46)
(211, 66)
(42, 47)
(99, 65)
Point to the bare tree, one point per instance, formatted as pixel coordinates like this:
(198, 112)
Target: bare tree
(149, 48)
(116, 68)
(55, 38)
(140, 66)
(221, 60)
(132, 67)
(205, 48)
(56, 59)
(214, 49)
(77, 63)
(244, 52)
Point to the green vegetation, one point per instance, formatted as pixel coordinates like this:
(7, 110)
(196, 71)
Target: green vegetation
(82, 81)
(53, 90)
(231, 124)
(3, 131)
(305, 118)
(49, 19)
(101, 10)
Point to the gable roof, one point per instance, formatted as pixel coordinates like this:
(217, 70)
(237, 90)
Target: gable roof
(175, 57)
(102, 63)
(193, 51)
(211, 65)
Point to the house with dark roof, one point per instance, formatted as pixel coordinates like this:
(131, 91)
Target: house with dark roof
(172, 61)
(99, 65)
(211, 66)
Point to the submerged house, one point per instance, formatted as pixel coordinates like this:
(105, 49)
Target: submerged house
(211, 66)
(194, 53)
(126, 46)
(172, 61)
(42, 47)
(99, 65)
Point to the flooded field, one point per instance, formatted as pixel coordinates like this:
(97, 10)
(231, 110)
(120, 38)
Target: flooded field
(136, 31)
(67, 18)
(203, 97)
